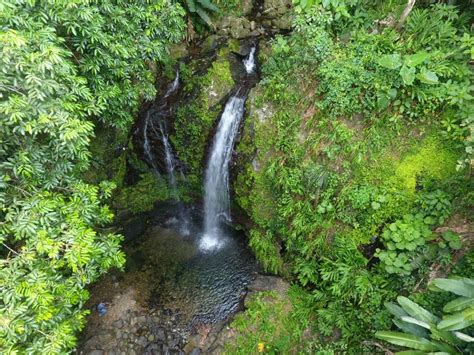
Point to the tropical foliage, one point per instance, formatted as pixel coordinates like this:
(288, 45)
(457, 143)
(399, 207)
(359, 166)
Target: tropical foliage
(357, 152)
(424, 331)
(62, 64)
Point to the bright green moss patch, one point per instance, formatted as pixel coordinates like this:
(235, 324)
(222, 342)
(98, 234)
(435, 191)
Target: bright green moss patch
(431, 159)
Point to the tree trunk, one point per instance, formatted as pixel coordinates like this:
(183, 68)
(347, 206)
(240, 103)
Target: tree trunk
(405, 14)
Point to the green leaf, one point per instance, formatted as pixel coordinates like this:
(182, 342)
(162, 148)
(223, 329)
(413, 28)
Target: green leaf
(411, 328)
(416, 352)
(390, 61)
(458, 286)
(455, 321)
(458, 304)
(208, 5)
(406, 340)
(464, 337)
(427, 77)
(416, 59)
(191, 5)
(416, 311)
(416, 322)
(205, 17)
(408, 75)
(395, 310)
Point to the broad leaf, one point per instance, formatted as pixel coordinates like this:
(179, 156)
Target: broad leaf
(191, 5)
(456, 321)
(416, 59)
(408, 75)
(464, 337)
(390, 61)
(427, 77)
(458, 304)
(417, 311)
(416, 322)
(417, 352)
(395, 310)
(411, 328)
(459, 287)
(407, 340)
(208, 5)
(205, 17)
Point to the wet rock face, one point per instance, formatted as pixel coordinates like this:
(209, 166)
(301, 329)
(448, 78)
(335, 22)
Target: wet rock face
(276, 8)
(274, 16)
(136, 332)
(238, 27)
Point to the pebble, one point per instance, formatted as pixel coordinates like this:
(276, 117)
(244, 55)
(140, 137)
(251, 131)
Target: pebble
(118, 323)
(160, 334)
(142, 341)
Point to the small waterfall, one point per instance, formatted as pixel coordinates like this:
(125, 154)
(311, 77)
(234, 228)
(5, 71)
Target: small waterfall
(157, 116)
(216, 184)
(249, 62)
(169, 160)
(171, 164)
(150, 157)
(149, 123)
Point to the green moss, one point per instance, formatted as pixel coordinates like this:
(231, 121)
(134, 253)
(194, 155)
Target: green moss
(233, 45)
(271, 324)
(142, 196)
(194, 121)
(431, 159)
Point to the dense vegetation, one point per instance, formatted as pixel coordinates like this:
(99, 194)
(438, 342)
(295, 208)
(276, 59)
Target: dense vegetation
(64, 65)
(358, 147)
(355, 166)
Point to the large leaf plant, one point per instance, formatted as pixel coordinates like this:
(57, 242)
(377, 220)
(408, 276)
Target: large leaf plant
(425, 332)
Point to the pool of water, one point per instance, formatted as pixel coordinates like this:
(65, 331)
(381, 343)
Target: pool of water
(196, 285)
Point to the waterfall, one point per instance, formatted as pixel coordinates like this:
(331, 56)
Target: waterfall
(149, 123)
(159, 114)
(216, 183)
(249, 62)
(150, 157)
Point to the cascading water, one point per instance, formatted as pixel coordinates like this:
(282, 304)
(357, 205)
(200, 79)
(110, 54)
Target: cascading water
(147, 148)
(216, 184)
(171, 165)
(152, 116)
(249, 62)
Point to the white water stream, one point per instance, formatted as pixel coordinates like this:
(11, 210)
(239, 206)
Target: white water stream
(216, 183)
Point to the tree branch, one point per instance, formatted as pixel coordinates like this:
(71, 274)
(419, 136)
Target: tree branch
(405, 14)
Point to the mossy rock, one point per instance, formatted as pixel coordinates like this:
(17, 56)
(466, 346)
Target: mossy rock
(196, 119)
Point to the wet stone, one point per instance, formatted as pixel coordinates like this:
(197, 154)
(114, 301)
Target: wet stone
(160, 334)
(142, 341)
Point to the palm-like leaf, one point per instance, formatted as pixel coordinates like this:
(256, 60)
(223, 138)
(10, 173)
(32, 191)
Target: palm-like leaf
(417, 311)
(407, 340)
(208, 5)
(461, 287)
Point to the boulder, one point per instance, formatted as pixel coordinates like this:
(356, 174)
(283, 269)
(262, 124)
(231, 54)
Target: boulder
(276, 8)
(178, 50)
(283, 22)
(246, 6)
(269, 283)
(210, 43)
